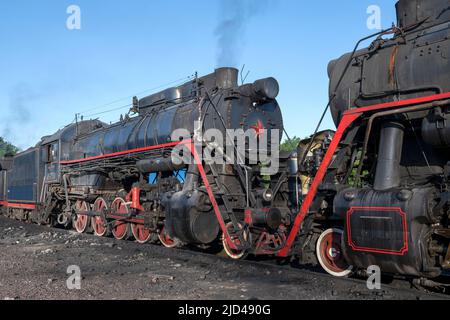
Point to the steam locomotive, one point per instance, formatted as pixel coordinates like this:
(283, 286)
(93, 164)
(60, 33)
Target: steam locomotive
(388, 183)
(373, 192)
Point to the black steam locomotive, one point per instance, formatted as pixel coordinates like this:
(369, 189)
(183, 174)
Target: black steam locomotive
(122, 178)
(375, 192)
(388, 185)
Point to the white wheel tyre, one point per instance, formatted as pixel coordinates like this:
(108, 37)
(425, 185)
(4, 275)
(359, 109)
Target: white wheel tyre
(233, 254)
(329, 253)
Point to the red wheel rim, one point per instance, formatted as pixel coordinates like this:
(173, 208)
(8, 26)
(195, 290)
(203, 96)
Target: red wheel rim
(330, 251)
(120, 229)
(165, 239)
(141, 233)
(97, 222)
(82, 221)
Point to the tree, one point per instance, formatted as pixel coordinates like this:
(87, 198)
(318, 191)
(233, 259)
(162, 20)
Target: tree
(290, 145)
(7, 149)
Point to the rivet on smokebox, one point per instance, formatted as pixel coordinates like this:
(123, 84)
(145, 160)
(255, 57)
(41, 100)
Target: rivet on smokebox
(350, 195)
(404, 195)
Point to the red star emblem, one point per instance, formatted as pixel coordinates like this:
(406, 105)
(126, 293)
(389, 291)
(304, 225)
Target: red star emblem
(259, 128)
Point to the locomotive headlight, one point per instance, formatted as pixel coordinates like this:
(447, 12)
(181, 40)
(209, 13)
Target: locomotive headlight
(267, 195)
(266, 88)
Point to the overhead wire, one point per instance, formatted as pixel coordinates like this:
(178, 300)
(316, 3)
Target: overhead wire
(82, 113)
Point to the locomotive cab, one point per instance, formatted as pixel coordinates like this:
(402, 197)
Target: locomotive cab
(50, 152)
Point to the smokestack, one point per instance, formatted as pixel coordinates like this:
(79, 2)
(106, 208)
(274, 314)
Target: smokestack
(226, 78)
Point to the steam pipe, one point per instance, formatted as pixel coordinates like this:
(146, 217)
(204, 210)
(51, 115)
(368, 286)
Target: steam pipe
(389, 156)
(157, 165)
(387, 113)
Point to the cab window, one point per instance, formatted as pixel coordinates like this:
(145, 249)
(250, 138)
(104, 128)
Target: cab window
(52, 152)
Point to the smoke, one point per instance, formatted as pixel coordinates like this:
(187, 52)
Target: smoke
(230, 32)
(17, 116)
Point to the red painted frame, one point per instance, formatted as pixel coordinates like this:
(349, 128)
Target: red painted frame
(348, 118)
(354, 247)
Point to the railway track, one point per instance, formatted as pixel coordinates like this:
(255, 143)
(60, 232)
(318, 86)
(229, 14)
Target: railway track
(391, 283)
(179, 272)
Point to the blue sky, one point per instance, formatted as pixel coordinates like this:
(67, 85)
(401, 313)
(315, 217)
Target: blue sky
(48, 73)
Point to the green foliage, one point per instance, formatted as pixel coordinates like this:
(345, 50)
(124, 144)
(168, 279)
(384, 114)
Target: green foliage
(354, 171)
(290, 145)
(7, 148)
